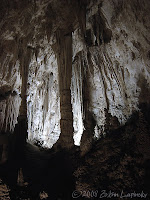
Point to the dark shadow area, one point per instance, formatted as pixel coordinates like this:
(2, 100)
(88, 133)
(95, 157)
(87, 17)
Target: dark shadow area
(118, 162)
(44, 172)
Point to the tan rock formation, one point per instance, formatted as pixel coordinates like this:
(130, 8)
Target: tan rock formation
(109, 47)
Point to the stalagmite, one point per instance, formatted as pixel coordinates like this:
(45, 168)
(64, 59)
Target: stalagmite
(20, 179)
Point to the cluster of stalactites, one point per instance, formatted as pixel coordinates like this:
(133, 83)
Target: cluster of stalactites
(9, 113)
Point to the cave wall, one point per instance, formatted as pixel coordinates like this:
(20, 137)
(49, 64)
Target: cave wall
(43, 98)
(115, 57)
(110, 65)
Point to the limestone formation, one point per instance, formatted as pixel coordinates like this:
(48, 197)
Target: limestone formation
(61, 61)
(74, 98)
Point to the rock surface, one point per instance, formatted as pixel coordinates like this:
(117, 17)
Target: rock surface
(118, 163)
(110, 65)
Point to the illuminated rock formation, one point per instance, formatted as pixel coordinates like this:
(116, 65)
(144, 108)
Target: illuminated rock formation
(104, 44)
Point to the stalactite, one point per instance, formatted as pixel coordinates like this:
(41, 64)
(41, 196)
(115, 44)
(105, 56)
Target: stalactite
(9, 113)
(82, 18)
(109, 54)
(43, 99)
(13, 106)
(2, 115)
(77, 98)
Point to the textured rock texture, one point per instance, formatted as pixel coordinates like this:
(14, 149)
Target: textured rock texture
(118, 162)
(110, 67)
(4, 191)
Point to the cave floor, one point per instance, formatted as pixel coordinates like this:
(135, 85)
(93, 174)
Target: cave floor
(46, 175)
(119, 161)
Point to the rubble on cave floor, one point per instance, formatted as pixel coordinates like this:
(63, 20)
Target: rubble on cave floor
(41, 175)
(4, 191)
(118, 162)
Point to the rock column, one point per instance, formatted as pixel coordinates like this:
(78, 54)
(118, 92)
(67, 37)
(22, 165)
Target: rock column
(64, 58)
(20, 132)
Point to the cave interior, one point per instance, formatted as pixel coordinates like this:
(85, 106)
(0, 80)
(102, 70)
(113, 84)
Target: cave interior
(74, 99)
